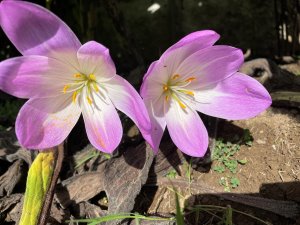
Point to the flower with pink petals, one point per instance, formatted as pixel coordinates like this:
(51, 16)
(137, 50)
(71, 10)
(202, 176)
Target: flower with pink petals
(63, 79)
(193, 75)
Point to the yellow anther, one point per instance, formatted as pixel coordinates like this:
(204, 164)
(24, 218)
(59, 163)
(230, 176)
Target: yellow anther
(167, 97)
(78, 75)
(89, 100)
(74, 96)
(66, 87)
(188, 92)
(92, 77)
(95, 87)
(190, 79)
(175, 76)
(181, 104)
(165, 87)
(178, 100)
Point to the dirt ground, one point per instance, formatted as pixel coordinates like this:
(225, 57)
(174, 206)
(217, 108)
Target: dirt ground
(274, 156)
(272, 170)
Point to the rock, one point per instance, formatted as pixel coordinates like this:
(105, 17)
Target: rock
(260, 142)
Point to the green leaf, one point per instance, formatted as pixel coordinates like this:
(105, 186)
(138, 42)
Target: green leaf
(219, 169)
(247, 138)
(242, 161)
(231, 165)
(171, 174)
(235, 182)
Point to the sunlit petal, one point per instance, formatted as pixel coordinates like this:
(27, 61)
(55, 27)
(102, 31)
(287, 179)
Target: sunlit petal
(102, 122)
(46, 122)
(237, 97)
(187, 130)
(34, 30)
(34, 76)
(126, 99)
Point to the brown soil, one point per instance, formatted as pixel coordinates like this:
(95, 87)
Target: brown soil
(274, 156)
(272, 170)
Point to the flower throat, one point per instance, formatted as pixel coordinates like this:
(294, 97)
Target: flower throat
(78, 84)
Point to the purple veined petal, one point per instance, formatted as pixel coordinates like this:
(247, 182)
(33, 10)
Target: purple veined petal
(188, 45)
(159, 71)
(46, 122)
(237, 97)
(126, 99)
(195, 41)
(34, 30)
(102, 123)
(186, 130)
(34, 76)
(211, 65)
(158, 123)
(156, 76)
(94, 58)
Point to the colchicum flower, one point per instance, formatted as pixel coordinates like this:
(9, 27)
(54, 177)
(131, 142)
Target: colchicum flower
(63, 79)
(193, 75)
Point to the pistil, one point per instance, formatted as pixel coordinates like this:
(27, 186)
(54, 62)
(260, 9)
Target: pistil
(81, 81)
(175, 87)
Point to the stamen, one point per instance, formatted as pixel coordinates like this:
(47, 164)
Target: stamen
(66, 87)
(190, 79)
(78, 75)
(89, 100)
(95, 87)
(175, 76)
(92, 77)
(165, 87)
(187, 92)
(82, 82)
(74, 96)
(179, 102)
(167, 98)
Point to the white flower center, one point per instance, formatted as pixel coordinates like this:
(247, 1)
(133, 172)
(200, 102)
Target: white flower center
(82, 83)
(175, 88)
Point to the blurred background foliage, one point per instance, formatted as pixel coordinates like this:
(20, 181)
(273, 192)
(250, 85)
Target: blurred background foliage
(138, 31)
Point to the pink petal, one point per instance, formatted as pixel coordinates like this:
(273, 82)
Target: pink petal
(158, 123)
(187, 46)
(156, 76)
(126, 99)
(36, 31)
(102, 123)
(187, 130)
(160, 70)
(94, 58)
(192, 43)
(237, 97)
(34, 76)
(211, 65)
(45, 123)
(144, 88)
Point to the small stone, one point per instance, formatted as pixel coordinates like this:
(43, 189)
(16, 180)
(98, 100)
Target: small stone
(260, 142)
(133, 132)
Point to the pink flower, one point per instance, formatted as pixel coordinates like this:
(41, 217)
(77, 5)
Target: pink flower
(193, 75)
(63, 79)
